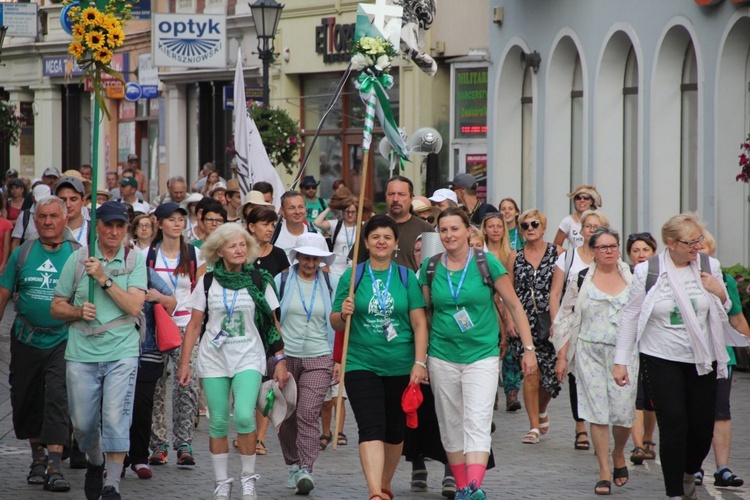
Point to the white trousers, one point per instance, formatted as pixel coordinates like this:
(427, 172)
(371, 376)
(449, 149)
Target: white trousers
(464, 398)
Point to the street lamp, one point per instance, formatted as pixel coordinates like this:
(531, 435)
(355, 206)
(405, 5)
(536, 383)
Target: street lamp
(266, 14)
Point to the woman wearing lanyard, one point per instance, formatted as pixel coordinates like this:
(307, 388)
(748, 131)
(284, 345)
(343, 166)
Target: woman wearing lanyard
(510, 211)
(464, 355)
(387, 350)
(308, 337)
(176, 262)
(343, 232)
(241, 332)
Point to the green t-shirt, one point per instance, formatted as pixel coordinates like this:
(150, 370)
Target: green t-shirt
(447, 341)
(734, 295)
(368, 348)
(36, 282)
(314, 208)
(197, 243)
(117, 343)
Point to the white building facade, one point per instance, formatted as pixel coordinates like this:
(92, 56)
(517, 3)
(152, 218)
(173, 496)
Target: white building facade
(648, 101)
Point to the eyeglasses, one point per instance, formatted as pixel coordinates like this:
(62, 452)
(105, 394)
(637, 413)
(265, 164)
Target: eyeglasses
(607, 248)
(590, 227)
(640, 236)
(145, 226)
(525, 225)
(350, 212)
(215, 222)
(585, 197)
(693, 243)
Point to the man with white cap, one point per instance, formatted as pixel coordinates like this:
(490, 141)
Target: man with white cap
(465, 186)
(71, 191)
(25, 224)
(444, 198)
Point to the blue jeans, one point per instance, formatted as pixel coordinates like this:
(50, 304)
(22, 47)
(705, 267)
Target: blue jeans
(100, 398)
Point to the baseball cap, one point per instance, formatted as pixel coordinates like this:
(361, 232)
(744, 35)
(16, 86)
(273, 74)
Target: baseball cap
(11, 173)
(41, 192)
(132, 157)
(71, 182)
(166, 209)
(442, 195)
(129, 181)
(112, 210)
(464, 181)
(51, 171)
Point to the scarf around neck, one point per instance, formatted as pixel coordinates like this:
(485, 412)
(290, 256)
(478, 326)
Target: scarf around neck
(701, 350)
(264, 316)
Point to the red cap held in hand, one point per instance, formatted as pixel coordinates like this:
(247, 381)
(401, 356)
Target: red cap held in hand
(410, 401)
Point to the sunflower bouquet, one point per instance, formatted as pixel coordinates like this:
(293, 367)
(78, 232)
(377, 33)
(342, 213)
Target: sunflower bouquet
(96, 35)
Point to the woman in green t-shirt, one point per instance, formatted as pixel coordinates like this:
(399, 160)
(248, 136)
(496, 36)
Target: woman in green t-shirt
(464, 353)
(387, 349)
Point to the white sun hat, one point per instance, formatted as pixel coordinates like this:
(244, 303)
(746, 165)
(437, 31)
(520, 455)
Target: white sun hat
(313, 244)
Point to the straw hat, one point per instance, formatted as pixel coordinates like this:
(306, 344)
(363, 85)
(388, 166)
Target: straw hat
(281, 405)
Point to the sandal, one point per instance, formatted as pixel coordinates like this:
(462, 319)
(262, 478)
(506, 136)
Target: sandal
(418, 481)
(376, 497)
(621, 473)
(582, 445)
(325, 440)
(36, 472)
(603, 487)
(386, 491)
(649, 450)
(544, 426)
(342, 440)
(54, 481)
(699, 477)
(260, 448)
(731, 480)
(531, 437)
(638, 455)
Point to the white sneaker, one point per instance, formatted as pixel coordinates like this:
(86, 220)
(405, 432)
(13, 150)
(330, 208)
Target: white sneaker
(223, 490)
(291, 483)
(248, 487)
(304, 482)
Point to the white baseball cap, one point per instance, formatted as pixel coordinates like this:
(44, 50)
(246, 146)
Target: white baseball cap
(442, 195)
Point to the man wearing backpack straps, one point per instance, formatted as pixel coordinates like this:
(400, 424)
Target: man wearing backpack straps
(103, 345)
(37, 344)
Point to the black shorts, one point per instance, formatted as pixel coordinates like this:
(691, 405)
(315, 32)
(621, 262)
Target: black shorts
(38, 392)
(723, 391)
(376, 403)
(643, 401)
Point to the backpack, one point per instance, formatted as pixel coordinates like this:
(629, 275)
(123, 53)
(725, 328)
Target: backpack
(151, 261)
(481, 260)
(403, 273)
(277, 231)
(26, 215)
(331, 240)
(285, 276)
(80, 272)
(208, 280)
(704, 265)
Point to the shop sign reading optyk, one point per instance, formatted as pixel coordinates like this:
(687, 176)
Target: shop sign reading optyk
(192, 41)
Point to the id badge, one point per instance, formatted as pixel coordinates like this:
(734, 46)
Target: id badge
(389, 331)
(463, 320)
(218, 341)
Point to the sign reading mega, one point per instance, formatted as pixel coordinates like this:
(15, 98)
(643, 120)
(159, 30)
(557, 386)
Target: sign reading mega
(193, 41)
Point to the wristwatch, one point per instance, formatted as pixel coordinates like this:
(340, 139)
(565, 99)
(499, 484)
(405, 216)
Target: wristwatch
(529, 348)
(108, 283)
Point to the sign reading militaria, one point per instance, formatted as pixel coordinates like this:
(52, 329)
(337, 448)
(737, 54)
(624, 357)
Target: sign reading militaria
(471, 102)
(193, 41)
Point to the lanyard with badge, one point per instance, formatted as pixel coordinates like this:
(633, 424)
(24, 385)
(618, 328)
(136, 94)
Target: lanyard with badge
(382, 296)
(218, 341)
(312, 299)
(81, 231)
(171, 275)
(462, 317)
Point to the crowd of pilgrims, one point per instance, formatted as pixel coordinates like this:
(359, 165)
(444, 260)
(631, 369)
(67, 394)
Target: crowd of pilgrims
(451, 302)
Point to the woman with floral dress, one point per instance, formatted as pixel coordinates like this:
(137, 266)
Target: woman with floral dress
(533, 267)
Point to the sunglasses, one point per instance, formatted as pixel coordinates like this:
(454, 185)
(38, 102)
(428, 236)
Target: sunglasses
(535, 224)
(584, 197)
(640, 236)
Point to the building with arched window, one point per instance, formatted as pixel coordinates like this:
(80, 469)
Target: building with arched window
(649, 101)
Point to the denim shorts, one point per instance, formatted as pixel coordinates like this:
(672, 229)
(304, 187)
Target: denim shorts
(100, 399)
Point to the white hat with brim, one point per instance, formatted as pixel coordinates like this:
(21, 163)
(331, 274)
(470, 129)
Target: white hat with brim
(193, 198)
(219, 186)
(283, 403)
(41, 192)
(256, 198)
(314, 245)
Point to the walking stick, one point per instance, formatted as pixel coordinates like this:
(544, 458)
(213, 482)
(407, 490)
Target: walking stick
(358, 239)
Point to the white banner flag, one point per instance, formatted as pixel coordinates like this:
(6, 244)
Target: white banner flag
(253, 164)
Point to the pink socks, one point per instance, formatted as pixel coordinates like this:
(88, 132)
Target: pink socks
(475, 473)
(459, 474)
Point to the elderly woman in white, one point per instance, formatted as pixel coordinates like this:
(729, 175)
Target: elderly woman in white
(305, 298)
(676, 317)
(586, 332)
